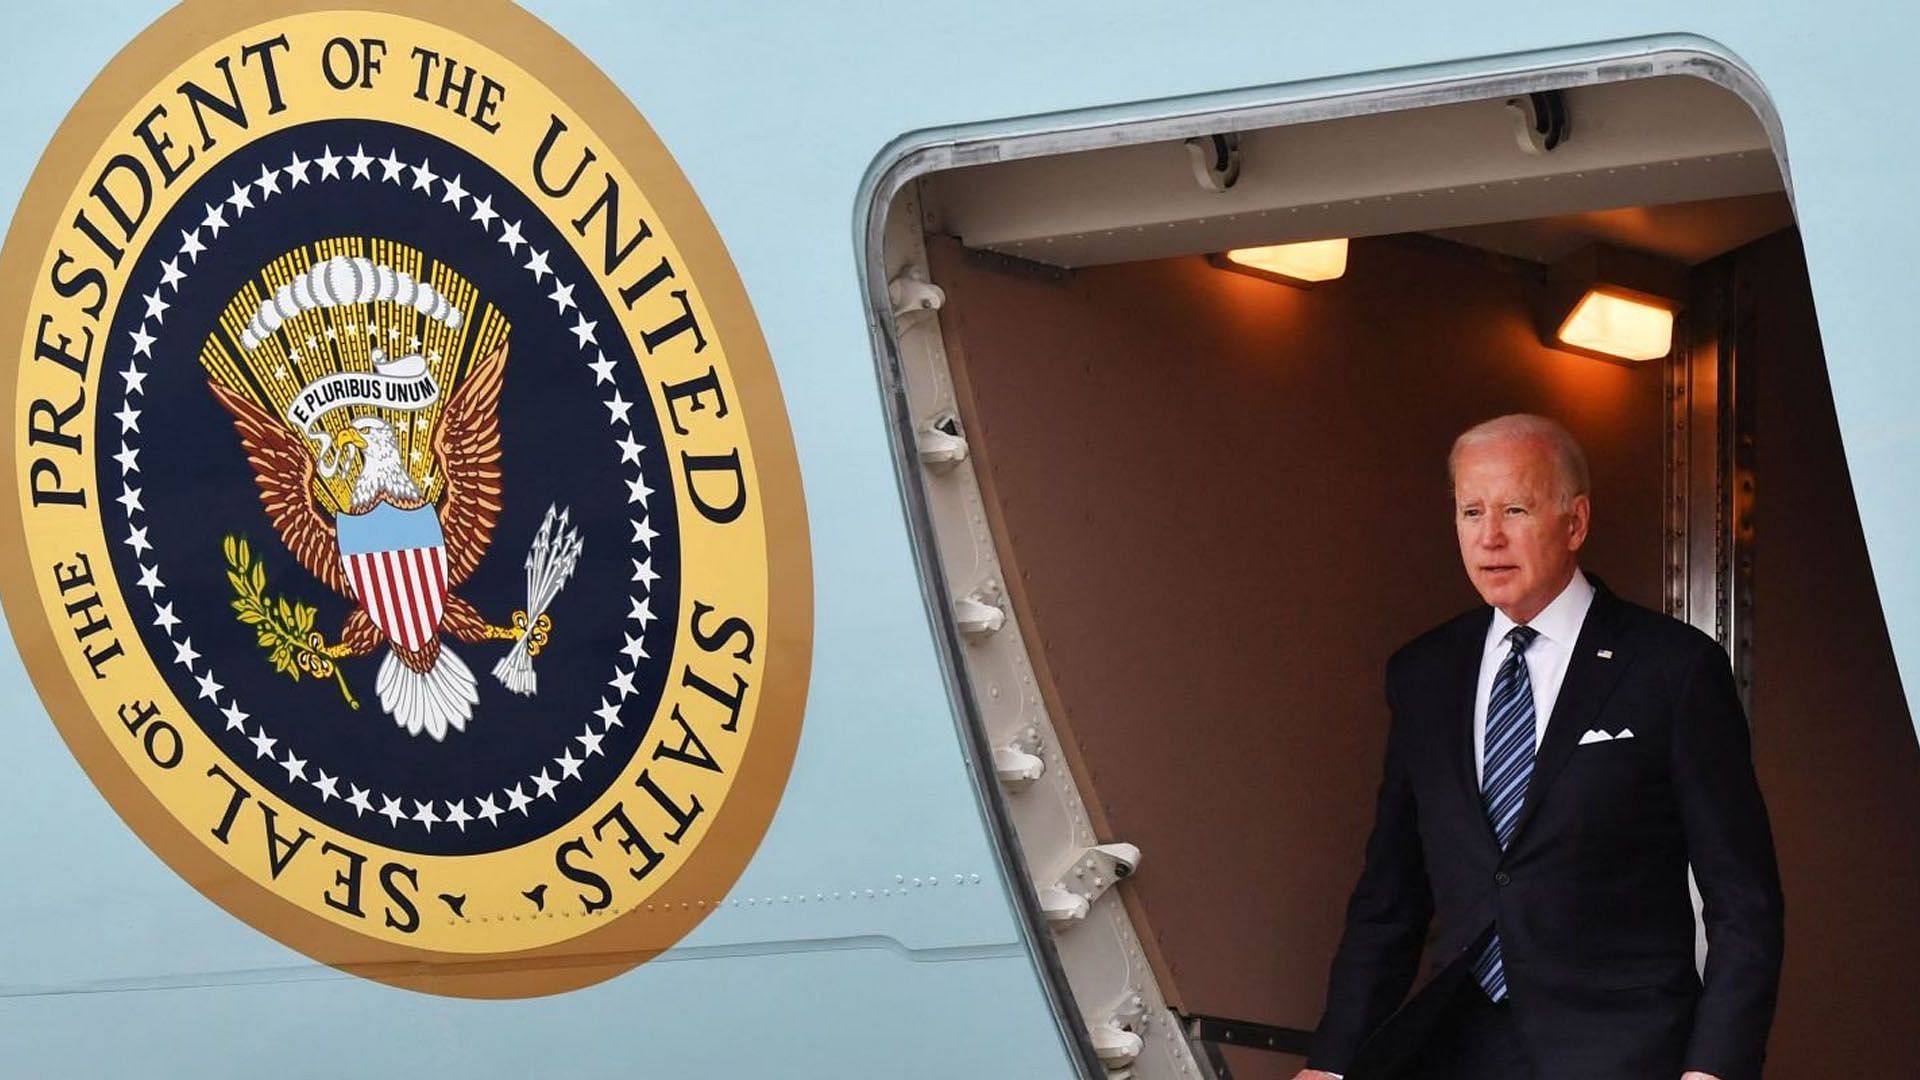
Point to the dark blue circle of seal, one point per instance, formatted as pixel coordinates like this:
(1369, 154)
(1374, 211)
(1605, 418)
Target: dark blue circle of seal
(601, 677)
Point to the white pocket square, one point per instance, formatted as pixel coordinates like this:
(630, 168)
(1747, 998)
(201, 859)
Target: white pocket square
(1596, 735)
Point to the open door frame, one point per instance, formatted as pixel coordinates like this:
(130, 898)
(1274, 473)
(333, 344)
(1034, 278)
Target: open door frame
(1105, 995)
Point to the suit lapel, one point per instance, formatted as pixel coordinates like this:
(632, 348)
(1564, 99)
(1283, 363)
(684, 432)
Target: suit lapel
(1589, 682)
(1469, 645)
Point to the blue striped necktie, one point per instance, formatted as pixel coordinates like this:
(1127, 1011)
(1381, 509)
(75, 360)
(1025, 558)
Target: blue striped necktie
(1504, 775)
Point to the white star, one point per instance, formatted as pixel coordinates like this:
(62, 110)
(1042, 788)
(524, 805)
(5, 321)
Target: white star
(130, 498)
(331, 334)
(129, 418)
(629, 450)
(583, 330)
(569, 766)
(602, 368)
(390, 170)
(643, 610)
(216, 220)
(423, 813)
(137, 540)
(617, 408)
(294, 354)
(269, 183)
(156, 307)
(327, 786)
(644, 573)
(510, 236)
(209, 687)
(483, 212)
(488, 809)
(622, 681)
(184, 653)
(635, 648)
(518, 800)
(170, 274)
(359, 159)
(262, 744)
(296, 171)
(390, 809)
(562, 296)
(457, 814)
(454, 194)
(589, 741)
(423, 177)
(546, 784)
(329, 163)
(136, 379)
(643, 531)
(129, 458)
(358, 799)
(190, 244)
(150, 580)
(537, 266)
(236, 720)
(165, 619)
(637, 491)
(142, 341)
(240, 201)
(296, 767)
(609, 714)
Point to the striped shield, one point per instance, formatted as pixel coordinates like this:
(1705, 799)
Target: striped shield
(396, 561)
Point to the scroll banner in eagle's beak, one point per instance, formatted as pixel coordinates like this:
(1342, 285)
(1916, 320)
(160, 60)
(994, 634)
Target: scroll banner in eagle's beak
(404, 385)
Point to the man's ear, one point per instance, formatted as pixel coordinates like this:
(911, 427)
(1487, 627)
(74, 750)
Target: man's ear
(1579, 516)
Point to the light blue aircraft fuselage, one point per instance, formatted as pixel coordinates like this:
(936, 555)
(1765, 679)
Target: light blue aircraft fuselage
(877, 931)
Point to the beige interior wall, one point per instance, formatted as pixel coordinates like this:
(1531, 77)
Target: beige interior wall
(1223, 503)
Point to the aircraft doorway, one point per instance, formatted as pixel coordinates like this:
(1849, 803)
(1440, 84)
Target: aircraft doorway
(1182, 516)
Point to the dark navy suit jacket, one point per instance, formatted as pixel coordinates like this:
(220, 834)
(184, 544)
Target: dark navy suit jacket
(1590, 897)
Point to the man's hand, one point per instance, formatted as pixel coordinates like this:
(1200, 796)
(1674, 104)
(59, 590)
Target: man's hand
(1698, 1076)
(1316, 1074)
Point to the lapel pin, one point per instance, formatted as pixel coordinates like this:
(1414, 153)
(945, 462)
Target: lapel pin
(1606, 654)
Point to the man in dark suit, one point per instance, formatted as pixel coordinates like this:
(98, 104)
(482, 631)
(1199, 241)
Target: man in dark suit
(1556, 762)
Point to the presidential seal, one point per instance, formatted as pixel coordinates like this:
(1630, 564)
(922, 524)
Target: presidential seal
(407, 538)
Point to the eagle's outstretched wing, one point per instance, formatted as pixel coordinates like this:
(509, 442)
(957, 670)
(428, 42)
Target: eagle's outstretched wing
(283, 468)
(467, 444)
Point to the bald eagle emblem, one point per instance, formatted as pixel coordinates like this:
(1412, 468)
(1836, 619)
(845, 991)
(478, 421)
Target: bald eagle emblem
(381, 487)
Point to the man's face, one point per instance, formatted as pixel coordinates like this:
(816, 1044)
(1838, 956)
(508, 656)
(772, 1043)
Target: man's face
(1518, 542)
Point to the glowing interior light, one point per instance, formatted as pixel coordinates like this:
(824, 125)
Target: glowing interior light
(1314, 260)
(1619, 326)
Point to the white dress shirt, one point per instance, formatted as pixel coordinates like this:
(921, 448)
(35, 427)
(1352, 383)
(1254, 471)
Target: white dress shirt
(1546, 660)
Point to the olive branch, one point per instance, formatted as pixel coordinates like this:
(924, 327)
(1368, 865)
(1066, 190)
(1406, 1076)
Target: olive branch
(285, 629)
